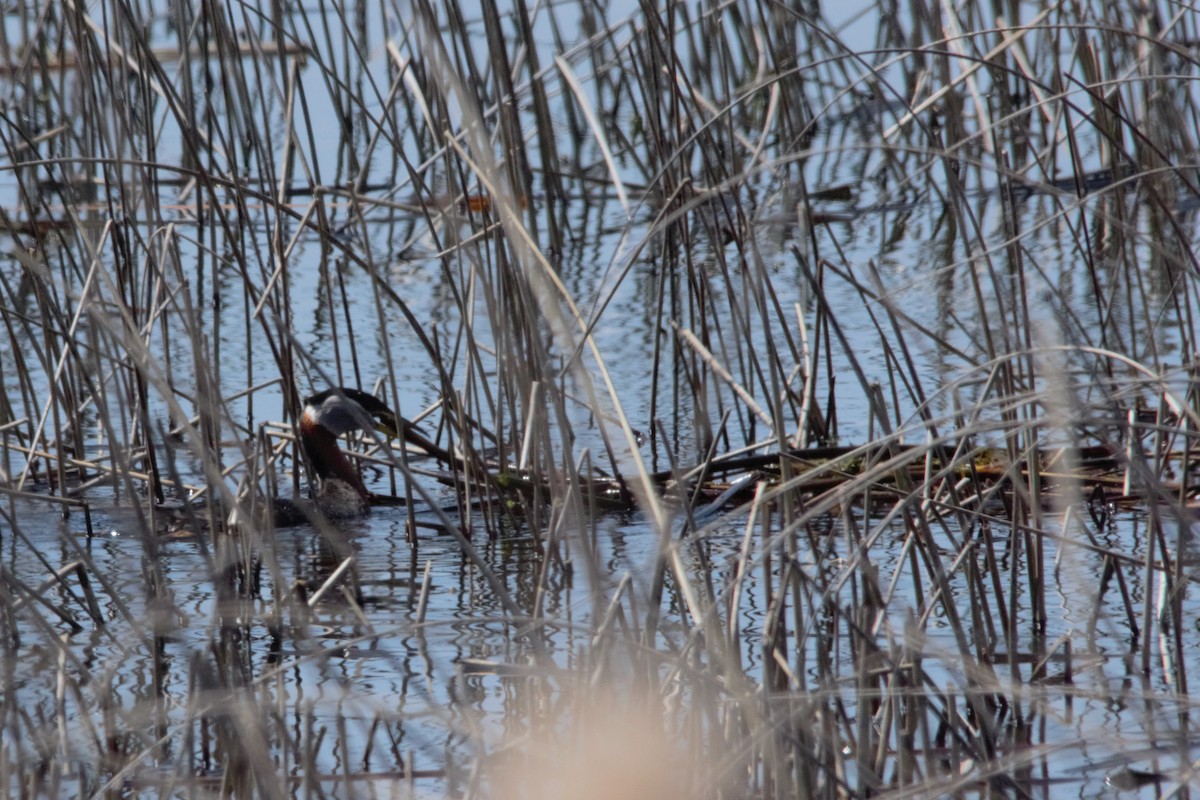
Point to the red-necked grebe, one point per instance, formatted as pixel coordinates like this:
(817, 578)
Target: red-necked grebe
(339, 492)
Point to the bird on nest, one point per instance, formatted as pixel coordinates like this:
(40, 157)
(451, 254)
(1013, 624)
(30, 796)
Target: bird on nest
(339, 492)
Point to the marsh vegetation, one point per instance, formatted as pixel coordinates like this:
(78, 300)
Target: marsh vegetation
(821, 383)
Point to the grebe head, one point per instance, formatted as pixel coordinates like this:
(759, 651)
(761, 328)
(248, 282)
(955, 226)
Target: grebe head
(343, 410)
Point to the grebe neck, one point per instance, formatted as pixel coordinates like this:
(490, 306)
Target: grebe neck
(328, 460)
